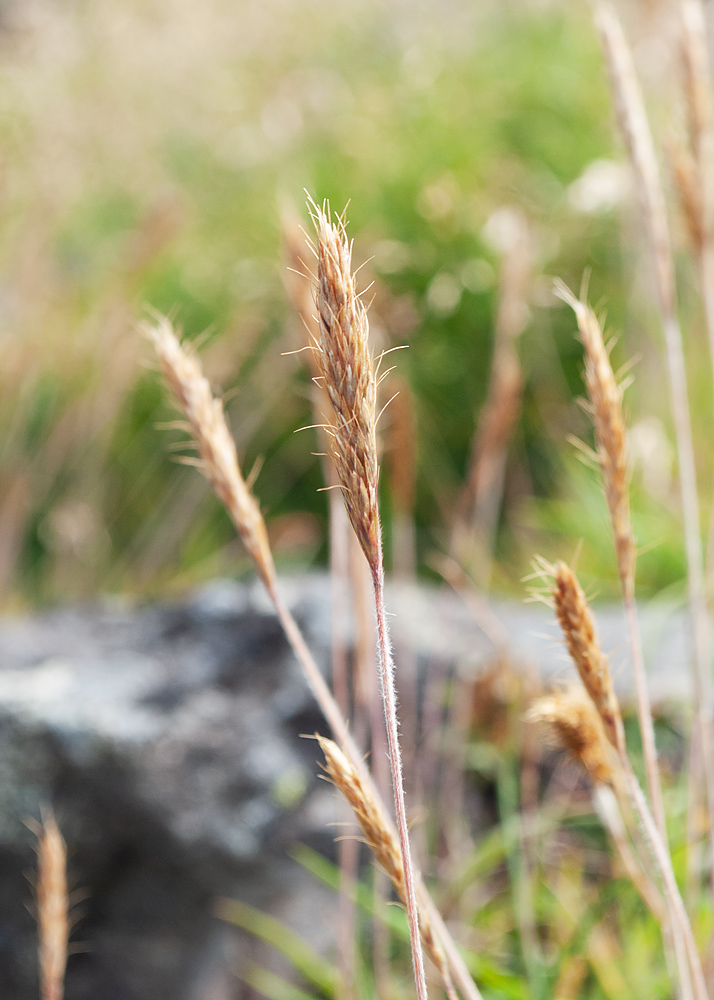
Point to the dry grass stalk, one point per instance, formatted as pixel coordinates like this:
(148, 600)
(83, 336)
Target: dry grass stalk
(605, 397)
(605, 405)
(580, 633)
(384, 845)
(635, 130)
(638, 138)
(322, 693)
(218, 460)
(53, 922)
(479, 504)
(610, 809)
(578, 627)
(575, 726)
(401, 456)
(348, 374)
(219, 463)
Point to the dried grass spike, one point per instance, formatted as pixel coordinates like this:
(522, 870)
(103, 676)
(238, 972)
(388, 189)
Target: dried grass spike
(610, 432)
(383, 843)
(577, 727)
(214, 442)
(345, 364)
(578, 626)
(53, 921)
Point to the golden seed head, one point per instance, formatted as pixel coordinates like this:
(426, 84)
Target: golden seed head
(605, 397)
(214, 442)
(378, 836)
(53, 922)
(576, 726)
(346, 368)
(381, 840)
(578, 627)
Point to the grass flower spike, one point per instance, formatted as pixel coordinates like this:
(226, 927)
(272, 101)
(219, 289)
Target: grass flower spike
(605, 397)
(215, 445)
(53, 921)
(576, 726)
(605, 405)
(578, 626)
(345, 364)
(383, 843)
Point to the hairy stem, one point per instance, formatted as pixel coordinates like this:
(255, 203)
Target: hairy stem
(389, 698)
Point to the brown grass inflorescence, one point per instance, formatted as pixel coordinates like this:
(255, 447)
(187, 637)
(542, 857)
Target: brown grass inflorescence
(605, 405)
(577, 727)
(214, 442)
(383, 843)
(347, 372)
(605, 397)
(53, 922)
(578, 626)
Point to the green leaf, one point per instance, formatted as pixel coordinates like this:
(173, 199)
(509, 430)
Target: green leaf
(272, 986)
(314, 968)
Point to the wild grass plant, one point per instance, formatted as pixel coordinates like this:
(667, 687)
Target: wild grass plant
(551, 902)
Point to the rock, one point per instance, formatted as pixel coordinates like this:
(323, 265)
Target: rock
(167, 739)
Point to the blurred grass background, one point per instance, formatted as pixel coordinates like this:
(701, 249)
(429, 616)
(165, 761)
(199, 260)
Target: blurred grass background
(148, 152)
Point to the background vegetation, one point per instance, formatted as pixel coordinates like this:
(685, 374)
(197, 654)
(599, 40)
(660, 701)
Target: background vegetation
(149, 153)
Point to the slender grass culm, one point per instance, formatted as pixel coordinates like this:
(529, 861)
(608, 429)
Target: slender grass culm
(349, 377)
(580, 635)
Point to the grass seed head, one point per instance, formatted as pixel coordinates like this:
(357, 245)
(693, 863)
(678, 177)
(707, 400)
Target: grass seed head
(578, 627)
(214, 442)
(576, 726)
(382, 841)
(347, 371)
(53, 921)
(605, 397)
